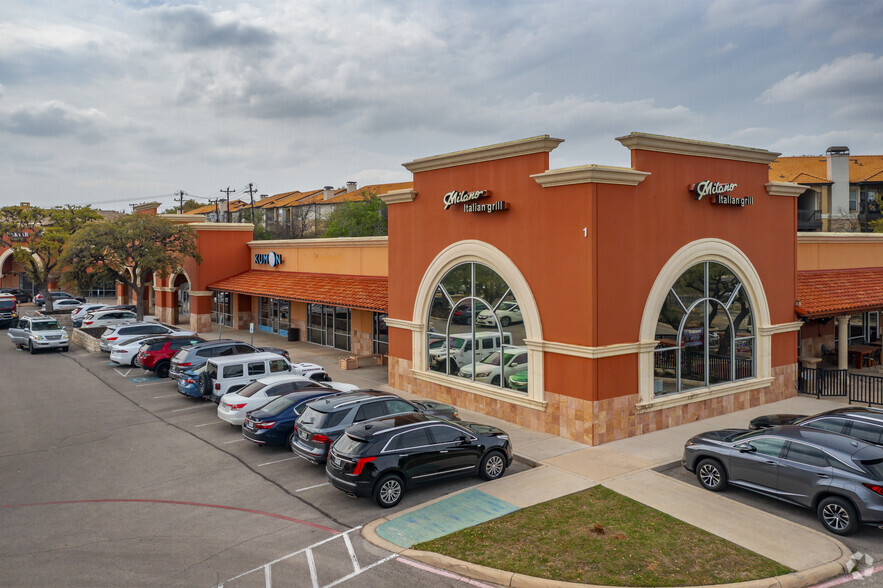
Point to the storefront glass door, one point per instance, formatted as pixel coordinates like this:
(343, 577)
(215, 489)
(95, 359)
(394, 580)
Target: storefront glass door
(329, 326)
(274, 315)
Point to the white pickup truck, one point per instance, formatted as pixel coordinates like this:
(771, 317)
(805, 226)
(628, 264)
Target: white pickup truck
(37, 332)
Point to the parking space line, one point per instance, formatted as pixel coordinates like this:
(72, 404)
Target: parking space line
(217, 422)
(277, 461)
(189, 408)
(166, 396)
(147, 384)
(234, 441)
(311, 487)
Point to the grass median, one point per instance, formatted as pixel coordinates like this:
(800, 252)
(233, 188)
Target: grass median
(600, 537)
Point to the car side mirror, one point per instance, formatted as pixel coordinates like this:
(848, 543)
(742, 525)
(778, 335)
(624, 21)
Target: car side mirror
(745, 448)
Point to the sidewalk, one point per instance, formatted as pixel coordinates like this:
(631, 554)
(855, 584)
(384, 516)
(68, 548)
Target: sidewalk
(563, 467)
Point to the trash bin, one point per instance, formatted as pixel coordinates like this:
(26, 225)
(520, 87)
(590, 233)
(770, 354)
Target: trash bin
(294, 334)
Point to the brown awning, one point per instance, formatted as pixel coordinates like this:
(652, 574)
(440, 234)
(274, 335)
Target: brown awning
(362, 292)
(827, 293)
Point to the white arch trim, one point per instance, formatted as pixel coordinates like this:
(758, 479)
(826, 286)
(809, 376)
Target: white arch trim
(480, 252)
(8, 253)
(690, 254)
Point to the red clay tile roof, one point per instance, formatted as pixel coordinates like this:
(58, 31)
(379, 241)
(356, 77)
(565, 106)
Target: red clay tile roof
(813, 169)
(362, 292)
(834, 292)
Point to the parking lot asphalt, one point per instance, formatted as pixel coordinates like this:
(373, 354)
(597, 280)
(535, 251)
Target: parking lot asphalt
(110, 477)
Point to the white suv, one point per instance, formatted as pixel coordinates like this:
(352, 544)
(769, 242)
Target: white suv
(104, 318)
(510, 360)
(458, 349)
(37, 332)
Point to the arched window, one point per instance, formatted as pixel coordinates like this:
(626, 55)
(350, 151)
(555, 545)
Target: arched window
(475, 329)
(705, 332)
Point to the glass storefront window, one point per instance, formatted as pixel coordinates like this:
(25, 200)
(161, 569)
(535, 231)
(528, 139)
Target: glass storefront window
(329, 326)
(475, 329)
(222, 308)
(380, 334)
(705, 332)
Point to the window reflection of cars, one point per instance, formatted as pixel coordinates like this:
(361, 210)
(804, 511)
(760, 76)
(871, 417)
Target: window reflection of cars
(489, 371)
(459, 349)
(507, 313)
(518, 381)
(462, 314)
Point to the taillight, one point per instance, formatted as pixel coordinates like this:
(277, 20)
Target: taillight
(188, 364)
(217, 386)
(322, 439)
(361, 463)
(234, 406)
(874, 488)
(112, 338)
(87, 322)
(189, 381)
(267, 425)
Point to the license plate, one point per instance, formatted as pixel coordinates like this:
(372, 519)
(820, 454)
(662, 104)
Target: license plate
(335, 462)
(303, 434)
(249, 425)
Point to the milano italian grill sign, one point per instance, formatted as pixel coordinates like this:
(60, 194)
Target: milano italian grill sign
(720, 193)
(467, 199)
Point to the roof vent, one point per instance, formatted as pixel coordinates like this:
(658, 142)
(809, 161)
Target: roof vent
(838, 150)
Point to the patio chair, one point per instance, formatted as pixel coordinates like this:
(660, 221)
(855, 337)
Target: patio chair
(829, 354)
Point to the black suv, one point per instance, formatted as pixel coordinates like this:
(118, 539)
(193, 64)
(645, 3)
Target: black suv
(195, 355)
(324, 420)
(383, 457)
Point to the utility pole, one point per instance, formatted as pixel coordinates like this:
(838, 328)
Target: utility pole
(181, 201)
(215, 202)
(227, 192)
(251, 190)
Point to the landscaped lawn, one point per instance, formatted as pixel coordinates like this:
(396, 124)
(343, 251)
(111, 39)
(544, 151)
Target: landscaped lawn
(600, 537)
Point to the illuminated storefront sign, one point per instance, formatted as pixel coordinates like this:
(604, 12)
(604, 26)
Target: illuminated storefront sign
(467, 199)
(271, 259)
(719, 193)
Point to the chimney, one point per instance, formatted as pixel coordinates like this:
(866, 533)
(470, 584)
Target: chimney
(350, 186)
(147, 208)
(838, 174)
(329, 192)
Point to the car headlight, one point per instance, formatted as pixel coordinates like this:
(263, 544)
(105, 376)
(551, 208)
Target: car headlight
(484, 374)
(65, 336)
(39, 337)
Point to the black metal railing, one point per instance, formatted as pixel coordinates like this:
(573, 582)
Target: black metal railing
(809, 219)
(824, 383)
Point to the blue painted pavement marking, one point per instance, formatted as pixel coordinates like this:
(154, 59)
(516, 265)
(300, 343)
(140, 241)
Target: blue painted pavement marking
(142, 379)
(460, 511)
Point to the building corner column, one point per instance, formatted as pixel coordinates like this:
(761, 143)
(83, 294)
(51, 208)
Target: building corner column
(842, 342)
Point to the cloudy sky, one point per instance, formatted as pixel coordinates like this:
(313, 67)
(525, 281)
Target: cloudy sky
(113, 102)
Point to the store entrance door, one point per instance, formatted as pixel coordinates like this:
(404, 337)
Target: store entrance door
(274, 315)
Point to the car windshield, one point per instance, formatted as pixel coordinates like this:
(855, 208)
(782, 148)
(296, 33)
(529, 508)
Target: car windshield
(251, 389)
(7, 304)
(436, 344)
(348, 445)
(456, 342)
(277, 405)
(45, 326)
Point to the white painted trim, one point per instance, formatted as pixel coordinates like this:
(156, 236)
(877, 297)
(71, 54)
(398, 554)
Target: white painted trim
(486, 254)
(780, 328)
(839, 238)
(595, 352)
(590, 174)
(541, 144)
(320, 243)
(222, 226)
(785, 189)
(479, 389)
(399, 196)
(402, 324)
(690, 147)
(201, 292)
(690, 254)
(700, 394)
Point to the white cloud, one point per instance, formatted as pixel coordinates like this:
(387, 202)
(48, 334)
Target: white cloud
(55, 119)
(843, 79)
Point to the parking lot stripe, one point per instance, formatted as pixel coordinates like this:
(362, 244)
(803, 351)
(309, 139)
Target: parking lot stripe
(166, 396)
(349, 548)
(190, 408)
(234, 441)
(311, 487)
(277, 461)
(365, 569)
(217, 422)
(312, 564)
(443, 573)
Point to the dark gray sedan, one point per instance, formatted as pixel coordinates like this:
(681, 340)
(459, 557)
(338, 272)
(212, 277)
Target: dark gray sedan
(839, 477)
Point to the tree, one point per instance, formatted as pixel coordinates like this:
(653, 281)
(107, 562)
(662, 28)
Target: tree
(256, 217)
(358, 218)
(38, 236)
(127, 249)
(189, 205)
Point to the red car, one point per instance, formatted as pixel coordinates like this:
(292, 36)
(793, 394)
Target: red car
(156, 354)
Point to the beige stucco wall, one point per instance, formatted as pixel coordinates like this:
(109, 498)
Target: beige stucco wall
(823, 251)
(365, 256)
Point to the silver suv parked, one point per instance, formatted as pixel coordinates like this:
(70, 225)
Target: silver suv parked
(36, 332)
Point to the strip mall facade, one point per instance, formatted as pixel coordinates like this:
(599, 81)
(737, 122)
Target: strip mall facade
(592, 302)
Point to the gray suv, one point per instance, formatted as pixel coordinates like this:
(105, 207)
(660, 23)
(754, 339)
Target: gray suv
(37, 332)
(839, 477)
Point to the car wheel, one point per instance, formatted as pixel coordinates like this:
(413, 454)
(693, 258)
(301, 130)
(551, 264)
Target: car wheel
(505, 321)
(495, 381)
(162, 370)
(454, 368)
(291, 441)
(838, 515)
(389, 490)
(205, 385)
(711, 475)
(31, 347)
(493, 466)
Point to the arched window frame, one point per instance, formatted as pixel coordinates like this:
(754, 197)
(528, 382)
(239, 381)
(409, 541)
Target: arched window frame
(490, 256)
(727, 254)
